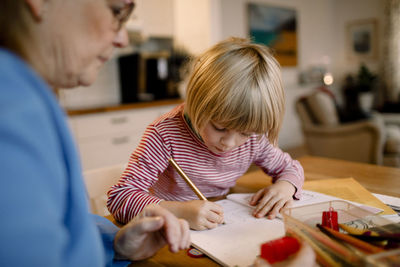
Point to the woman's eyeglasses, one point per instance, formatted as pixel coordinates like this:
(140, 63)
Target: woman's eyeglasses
(121, 11)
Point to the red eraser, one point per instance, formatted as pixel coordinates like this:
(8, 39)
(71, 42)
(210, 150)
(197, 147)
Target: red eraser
(279, 249)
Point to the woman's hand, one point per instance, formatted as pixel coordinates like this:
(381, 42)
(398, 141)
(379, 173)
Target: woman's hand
(200, 214)
(272, 199)
(152, 229)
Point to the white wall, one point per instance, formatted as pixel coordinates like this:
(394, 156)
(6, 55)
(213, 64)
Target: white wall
(192, 24)
(153, 13)
(347, 11)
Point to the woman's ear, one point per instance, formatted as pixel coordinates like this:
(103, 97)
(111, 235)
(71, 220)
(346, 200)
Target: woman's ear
(36, 7)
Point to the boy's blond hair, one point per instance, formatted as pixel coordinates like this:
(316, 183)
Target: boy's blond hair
(238, 85)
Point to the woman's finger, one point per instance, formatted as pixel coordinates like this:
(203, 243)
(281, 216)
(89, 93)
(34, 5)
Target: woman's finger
(185, 234)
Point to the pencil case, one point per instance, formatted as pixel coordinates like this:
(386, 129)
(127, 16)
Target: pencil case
(301, 222)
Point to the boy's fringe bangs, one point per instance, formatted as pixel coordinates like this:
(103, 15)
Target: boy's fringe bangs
(249, 116)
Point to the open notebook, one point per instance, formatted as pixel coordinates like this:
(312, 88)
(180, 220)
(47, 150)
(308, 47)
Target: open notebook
(237, 242)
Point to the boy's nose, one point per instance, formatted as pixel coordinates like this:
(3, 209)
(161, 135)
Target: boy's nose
(228, 142)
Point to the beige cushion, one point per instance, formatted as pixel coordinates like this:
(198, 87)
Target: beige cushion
(323, 109)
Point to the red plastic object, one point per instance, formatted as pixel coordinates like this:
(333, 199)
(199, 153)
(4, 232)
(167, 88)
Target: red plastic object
(194, 253)
(330, 219)
(279, 249)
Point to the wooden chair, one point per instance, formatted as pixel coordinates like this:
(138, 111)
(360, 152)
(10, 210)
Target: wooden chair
(98, 182)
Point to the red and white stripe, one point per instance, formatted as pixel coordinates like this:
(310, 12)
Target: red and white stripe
(149, 178)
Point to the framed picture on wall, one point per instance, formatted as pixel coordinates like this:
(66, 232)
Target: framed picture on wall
(275, 27)
(362, 40)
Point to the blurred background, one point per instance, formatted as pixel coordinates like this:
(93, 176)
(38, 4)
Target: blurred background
(336, 45)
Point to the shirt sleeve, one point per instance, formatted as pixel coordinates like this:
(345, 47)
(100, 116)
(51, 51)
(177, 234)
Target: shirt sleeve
(131, 195)
(280, 166)
(108, 231)
(32, 181)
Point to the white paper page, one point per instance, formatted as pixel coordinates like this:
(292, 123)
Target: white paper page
(308, 198)
(242, 198)
(237, 243)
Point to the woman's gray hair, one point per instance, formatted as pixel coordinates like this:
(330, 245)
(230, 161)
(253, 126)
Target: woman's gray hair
(15, 18)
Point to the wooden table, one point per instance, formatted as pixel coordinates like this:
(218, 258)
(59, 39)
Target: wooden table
(377, 179)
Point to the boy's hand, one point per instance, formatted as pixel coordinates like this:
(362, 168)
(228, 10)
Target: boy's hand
(272, 199)
(200, 214)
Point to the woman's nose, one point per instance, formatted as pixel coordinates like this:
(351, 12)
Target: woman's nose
(121, 39)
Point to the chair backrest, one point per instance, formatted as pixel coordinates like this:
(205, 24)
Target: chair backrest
(98, 182)
(318, 108)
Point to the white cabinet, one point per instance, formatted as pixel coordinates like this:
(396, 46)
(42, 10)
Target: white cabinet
(108, 138)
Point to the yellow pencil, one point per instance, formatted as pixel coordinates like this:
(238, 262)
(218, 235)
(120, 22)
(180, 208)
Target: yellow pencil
(187, 180)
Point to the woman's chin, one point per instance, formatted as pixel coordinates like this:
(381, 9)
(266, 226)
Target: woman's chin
(72, 81)
(87, 79)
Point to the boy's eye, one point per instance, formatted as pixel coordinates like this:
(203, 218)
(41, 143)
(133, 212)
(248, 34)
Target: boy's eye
(220, 129)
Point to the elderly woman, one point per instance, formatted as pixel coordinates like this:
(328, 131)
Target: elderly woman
(48, 44)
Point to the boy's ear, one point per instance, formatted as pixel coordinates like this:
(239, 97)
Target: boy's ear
(36, 7)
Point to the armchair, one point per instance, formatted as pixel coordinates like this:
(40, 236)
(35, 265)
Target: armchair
(365, 141)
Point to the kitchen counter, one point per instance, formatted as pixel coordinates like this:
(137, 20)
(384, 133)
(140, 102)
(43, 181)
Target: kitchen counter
(137, 105)
(107, 135)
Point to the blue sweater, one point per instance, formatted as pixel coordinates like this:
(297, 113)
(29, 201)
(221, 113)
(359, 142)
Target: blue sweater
(45, 219)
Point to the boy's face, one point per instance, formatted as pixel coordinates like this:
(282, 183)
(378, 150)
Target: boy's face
(221, 140)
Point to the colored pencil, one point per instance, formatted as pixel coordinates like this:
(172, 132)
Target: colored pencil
(351, 240)
(300, 228)
(368, 235)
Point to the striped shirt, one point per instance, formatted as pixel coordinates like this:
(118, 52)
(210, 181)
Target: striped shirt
(149, 178)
